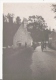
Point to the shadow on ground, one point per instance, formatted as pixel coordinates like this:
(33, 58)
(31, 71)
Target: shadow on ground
(16, 64)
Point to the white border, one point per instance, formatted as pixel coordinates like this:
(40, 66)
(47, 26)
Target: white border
(1, 39)
(1, 24)
(30, 1)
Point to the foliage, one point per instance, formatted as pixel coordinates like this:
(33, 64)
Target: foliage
(37, 27)
(9, 28)
(54, 9)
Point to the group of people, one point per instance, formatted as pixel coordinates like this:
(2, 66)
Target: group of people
(43, 45)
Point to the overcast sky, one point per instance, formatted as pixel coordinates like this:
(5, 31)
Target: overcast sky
(28, 9)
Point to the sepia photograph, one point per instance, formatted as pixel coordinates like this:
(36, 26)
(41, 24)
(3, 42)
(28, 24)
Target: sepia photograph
(29, 41)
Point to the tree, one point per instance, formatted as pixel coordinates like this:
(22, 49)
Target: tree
(5, 31)
(10, 17)
(4, 18)
(54, 8)
(36, 26)
(18, 20)
(9, 28)
(37, 22)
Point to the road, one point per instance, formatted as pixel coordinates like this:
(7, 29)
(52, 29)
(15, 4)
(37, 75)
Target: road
(28, 65)
(44, 64)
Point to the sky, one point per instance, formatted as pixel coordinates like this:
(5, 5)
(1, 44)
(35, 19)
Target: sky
(24, 10)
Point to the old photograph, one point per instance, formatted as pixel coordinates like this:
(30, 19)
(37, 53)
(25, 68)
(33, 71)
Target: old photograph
(29, 41)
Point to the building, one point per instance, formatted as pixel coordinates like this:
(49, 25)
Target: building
(52, 39)
(22, 36)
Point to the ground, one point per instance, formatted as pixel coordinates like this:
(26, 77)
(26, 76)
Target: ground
(44, 64)
(27, 64)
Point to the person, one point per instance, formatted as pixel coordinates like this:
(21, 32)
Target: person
(42, 45)
(25, 44)
(45, 45)
(34, 45)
